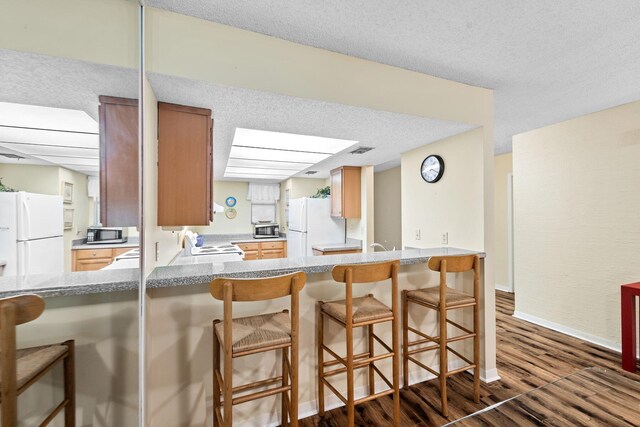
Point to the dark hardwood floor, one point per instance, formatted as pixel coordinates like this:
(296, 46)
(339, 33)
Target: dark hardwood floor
(528, 356)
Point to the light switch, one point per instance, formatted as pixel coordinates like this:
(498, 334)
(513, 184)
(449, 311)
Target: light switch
(418, 234)
(445, 238)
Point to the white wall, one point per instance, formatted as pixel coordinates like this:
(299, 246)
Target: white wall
(577, 227)
(454, 204)
(241, 224)
(388, 208)
(503, 167)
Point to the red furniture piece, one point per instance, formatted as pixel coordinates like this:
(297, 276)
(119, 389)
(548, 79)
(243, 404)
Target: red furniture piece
(628, 295)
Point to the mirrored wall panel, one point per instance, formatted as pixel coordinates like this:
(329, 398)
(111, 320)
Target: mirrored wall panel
(69, 205)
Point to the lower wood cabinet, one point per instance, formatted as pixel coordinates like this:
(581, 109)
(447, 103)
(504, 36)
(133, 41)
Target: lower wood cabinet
(94, 259)
(263, 250)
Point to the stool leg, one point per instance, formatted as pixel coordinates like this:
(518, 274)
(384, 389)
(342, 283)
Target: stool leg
(396, 367)
(444, 363)
(285, 382)
(228, 385)
(70, 385)
(629, 322)
(476, 352)
(372, 386)
(405, 339)
(216, 367)
(320, 329)
(351, 416)
(294, 381)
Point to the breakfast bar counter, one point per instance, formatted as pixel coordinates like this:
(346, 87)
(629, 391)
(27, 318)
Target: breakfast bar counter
(99, 310)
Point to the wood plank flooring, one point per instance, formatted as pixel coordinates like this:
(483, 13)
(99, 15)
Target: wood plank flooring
(528, 357)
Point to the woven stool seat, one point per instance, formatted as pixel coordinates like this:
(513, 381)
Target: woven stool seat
(364, 309)
(264, 330)
(431, 296)
(30, 361)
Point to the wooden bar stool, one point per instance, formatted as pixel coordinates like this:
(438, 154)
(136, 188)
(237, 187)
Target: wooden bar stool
(442, 299)
(352, 313)
(256, 334)
(20, 369)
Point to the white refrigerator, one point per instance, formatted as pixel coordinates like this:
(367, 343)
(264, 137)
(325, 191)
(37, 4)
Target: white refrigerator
(31, 228)
(311, 223)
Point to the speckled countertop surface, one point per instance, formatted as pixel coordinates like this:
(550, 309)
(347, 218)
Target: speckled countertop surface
(104, 281)
(349, 245)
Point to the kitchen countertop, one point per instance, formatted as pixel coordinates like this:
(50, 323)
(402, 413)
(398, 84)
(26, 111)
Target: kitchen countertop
(349, 245)
(104, 281)
(132, 242)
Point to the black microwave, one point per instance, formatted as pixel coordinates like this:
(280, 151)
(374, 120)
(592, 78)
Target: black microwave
(265, 231)
(103, 235)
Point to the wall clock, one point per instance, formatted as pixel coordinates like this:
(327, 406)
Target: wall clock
(432, 168)
(230, 213)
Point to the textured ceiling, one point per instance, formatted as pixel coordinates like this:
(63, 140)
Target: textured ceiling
(547, 60)
(390, 133)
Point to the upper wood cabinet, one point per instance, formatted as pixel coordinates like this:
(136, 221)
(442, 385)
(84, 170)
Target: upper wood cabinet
(185, 165)
(345, 192)
(118, 161)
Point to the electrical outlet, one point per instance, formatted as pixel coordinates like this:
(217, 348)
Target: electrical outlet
(445, 238)
(418, 234)
(157, 251)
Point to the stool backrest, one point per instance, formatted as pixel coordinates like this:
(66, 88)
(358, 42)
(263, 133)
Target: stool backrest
(258, 289)
(455, 264)
(13, 311)
(365, 273)
(452, 264)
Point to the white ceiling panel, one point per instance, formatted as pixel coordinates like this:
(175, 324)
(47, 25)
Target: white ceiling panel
(267, 164)
(71, 161)
(46, 137)
(280, 155)
(37, 117)
(52, 150)
(262, 171)
(250, 177)
(289, 141)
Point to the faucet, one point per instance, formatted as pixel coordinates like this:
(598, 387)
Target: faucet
(378, 245)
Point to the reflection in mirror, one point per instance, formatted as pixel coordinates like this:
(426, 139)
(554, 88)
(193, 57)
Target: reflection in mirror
(68, 165)
(69, 206)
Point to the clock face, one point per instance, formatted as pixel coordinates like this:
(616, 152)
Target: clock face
(432, 168)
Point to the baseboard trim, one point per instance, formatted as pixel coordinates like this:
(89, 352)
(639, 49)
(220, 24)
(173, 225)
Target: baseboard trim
(610, 345)
(502, 288)
(489, 376)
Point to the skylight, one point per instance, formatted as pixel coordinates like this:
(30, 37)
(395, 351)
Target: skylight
(258, 154)
(46, 135)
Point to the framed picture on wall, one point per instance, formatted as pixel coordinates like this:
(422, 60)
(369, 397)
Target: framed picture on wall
(67, 192)
(67, 216)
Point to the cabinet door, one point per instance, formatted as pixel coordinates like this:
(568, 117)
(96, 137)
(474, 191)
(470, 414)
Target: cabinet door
(272, 253)
(92, 264)
(184, 165)
(336, 193)
(118, 161)
(250, 255)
